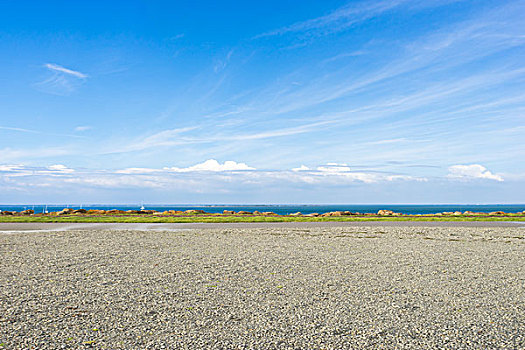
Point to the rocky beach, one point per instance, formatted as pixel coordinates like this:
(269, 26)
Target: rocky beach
(198, 215)
(263, 286)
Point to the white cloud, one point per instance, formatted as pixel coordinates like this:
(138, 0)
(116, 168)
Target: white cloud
(334, 168)
(306, 128)
(18, 129)
(61, 81)
(223, 63)
(472, 171)
(209, 165)
(57, 68)
(60, 168)
(382, 142)
(119, 181)
(340, 175)
(83, 128)
(301, 168)
(9, 171)
(213, 165)
(340, 19)
(207, 177)
(176, 137)
(23, 170)
(176, 37)
(350, 15)
(344, 55)
(170, 137)
(29, 131)
(17, 155)
(137, 171)
(9, 168)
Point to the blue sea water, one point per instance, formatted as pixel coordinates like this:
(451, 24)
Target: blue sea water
(287, 209)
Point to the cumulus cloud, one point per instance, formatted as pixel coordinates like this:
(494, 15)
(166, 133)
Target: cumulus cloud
(213, 165)
(210, 165)
(334, 168)
(301, 168)
(206, 177)
(472, 171)
(329, 174)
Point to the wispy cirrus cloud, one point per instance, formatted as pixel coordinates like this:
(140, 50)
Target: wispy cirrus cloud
(61, 80)
(9, 171)
(165, 138)
(222, 63)
(32, 131)
(60, 69)
(404, 95)
(343, 56)
(18, 155)
(436, 51)
(183, 136)
(19, 129)
(352, 14)
(377, 85)
(339, 19)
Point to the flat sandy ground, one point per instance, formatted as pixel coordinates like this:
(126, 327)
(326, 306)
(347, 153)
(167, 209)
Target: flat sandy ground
(271, 287)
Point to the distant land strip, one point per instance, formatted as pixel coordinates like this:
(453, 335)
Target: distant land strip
(228, 216)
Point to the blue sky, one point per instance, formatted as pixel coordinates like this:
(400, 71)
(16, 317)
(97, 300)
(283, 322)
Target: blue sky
(401, 101)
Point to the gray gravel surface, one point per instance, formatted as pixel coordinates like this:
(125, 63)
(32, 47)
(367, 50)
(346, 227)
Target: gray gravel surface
(264, 288)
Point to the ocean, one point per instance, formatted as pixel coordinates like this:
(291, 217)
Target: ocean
(286, 209)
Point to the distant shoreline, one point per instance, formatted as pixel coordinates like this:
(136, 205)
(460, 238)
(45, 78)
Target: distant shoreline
(70, 215)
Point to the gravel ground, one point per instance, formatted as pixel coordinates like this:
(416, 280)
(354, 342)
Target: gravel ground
(264, 288)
